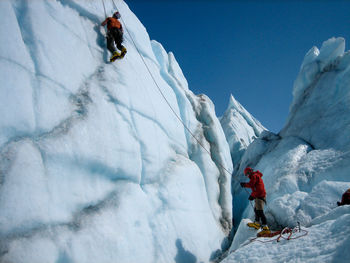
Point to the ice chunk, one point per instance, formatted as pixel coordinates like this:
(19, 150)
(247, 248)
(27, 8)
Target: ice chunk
(330, 50)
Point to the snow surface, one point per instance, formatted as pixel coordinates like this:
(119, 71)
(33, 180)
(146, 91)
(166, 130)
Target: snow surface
(325, 242)
(94, 164)
(306, 168)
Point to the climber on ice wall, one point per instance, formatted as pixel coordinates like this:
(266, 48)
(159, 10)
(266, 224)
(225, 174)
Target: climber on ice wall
(259, 196)
(114, 36)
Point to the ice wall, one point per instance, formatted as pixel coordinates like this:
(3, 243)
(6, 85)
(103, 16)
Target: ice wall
(95, 164)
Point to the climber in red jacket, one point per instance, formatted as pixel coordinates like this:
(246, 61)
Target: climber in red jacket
(114, 35)
(259, 195)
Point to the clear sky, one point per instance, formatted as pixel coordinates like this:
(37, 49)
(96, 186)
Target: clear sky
(251, 49)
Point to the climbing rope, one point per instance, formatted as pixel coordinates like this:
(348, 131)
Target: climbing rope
(115, 6)
(280, 234)
(104, 8)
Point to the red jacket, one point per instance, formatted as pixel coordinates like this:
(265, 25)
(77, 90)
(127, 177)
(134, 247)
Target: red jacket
(112, 22)
(256, 184)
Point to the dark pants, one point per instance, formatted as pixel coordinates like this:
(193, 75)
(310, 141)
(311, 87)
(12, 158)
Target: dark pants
(259, 210)
(115, 35)
(259, 215)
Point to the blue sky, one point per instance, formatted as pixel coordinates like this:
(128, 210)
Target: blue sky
(251, 49)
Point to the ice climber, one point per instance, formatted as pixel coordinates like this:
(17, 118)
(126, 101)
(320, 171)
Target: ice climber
(259, 196)
(345, 199)
(114, 36)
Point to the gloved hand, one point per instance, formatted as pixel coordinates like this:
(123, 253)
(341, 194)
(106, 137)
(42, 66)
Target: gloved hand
(251, 198)
(242, 184)
(338, 203)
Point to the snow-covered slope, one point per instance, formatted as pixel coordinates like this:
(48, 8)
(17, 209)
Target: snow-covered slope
(95, 165)
(306, 167)
(240, 129)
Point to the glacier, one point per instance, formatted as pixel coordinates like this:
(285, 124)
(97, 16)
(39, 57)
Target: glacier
(121, 162)
(97, 164)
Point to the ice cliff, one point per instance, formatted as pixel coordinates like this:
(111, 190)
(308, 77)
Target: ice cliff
(103, 162)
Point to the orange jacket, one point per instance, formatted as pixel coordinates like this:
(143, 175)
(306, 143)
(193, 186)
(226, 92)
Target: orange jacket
(111, 23)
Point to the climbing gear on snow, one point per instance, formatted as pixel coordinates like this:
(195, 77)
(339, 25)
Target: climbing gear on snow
(296, 231)
(255, 225)
(265, 231)
(286, 230)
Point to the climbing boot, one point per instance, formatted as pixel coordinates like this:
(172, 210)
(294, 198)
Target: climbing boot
(115, 56)
(255, 225)
(123, 52)
(265, 231)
